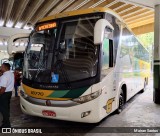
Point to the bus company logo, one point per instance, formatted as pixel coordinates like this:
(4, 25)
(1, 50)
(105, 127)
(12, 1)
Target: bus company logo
(108, 106)
(37, 93)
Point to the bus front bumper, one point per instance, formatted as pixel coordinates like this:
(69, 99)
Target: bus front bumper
(88, 112)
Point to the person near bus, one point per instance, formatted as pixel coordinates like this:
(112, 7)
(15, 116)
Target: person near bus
(17, 80)
(6, 88)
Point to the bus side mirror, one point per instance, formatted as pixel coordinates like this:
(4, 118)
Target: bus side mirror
(99, 30)
(11, 48)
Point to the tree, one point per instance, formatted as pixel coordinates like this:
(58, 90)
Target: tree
(147, 40)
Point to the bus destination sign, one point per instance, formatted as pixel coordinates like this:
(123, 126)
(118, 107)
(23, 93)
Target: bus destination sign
(46, 26)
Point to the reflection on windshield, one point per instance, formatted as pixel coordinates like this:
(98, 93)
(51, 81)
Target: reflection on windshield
(73, 58)
(39, 54)
(18, 64)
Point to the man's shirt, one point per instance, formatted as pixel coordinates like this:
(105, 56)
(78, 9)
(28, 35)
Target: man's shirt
(7, 81)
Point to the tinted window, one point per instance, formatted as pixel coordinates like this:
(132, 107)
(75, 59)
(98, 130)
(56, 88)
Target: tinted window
(130, 45)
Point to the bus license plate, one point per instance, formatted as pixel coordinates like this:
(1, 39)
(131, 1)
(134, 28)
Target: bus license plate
(48, 113)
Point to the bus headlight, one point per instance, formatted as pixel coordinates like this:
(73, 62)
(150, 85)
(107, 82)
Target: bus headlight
(87, 98)
(23, 94)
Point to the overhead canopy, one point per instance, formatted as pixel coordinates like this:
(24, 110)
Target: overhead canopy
(145, 3)
(138, 14)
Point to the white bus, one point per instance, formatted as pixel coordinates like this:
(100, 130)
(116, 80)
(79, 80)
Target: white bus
(15, 48)
(87, 64)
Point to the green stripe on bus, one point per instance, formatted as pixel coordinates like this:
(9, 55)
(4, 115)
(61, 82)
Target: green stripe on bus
(75, 93)
(58, 94)
(68, 93)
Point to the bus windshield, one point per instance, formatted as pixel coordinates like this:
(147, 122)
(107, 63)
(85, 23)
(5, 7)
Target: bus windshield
(62, 55)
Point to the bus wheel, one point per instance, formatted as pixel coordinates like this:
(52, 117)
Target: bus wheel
(121, 102)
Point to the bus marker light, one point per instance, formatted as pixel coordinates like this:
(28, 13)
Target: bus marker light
(48, 113)
(84, 114)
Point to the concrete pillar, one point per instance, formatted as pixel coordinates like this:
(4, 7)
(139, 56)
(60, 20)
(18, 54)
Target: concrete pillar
(156, 92)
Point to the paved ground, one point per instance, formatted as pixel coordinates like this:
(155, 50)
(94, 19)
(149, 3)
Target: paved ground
(140, 111)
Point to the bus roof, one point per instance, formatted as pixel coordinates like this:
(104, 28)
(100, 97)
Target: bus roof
(86, 11)
(80, 12)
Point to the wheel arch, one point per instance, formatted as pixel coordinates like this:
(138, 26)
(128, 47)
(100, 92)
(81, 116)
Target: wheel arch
(124, 88)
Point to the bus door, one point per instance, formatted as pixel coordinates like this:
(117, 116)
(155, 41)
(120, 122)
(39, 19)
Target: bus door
(104, 37)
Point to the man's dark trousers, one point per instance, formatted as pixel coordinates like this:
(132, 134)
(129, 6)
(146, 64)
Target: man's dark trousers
(5, 108)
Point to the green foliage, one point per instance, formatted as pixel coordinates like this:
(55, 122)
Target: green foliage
(147, 40)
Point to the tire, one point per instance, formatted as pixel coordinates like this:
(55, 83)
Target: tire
(121, 102)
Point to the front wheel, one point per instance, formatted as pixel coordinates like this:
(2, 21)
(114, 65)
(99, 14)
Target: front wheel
(121, 102)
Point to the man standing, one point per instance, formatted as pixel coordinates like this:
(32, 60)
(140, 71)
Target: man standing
(17, 81)
(6, 87)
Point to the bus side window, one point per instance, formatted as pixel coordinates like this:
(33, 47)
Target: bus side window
(107, 49)
(105, 54)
